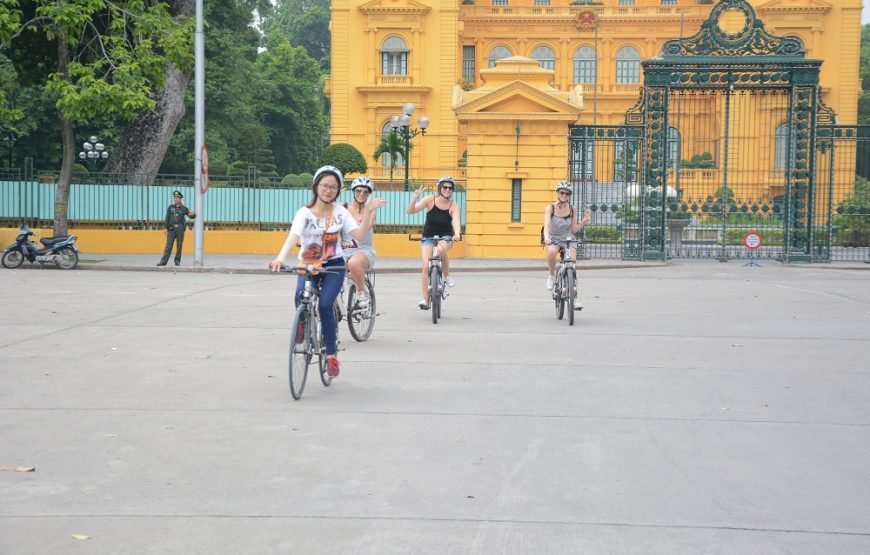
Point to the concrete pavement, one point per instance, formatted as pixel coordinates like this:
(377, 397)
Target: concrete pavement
(694, 407)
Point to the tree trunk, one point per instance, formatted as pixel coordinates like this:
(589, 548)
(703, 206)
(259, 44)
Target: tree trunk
(143, 145)
(145, 141)
(61, 194)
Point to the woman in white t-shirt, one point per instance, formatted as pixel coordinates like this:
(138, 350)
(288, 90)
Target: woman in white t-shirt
(319, 228)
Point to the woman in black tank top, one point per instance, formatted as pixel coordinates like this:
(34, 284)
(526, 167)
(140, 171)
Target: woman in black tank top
(442, 219)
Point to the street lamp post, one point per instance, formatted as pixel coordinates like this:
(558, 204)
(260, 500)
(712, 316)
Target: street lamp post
(93, 153)
(402, 125)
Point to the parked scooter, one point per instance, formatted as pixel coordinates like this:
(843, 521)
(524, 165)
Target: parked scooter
(61, 250)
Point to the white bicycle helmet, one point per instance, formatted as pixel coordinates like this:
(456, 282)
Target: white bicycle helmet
(328, 169)
(362, 181)
(446, 179)
(564, 186)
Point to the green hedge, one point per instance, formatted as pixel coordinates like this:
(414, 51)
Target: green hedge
(602, 234)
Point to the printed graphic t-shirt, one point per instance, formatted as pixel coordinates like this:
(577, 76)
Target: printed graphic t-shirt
(321, 240)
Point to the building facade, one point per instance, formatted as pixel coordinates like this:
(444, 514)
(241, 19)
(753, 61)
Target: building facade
(501, 123)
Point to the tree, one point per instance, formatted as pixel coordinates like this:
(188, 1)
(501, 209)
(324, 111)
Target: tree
(234, 91)
(864, 99)
(344, 157)
(253, 150)
(305, 23)
(144, 141)
(394, 146)
(108, 57)
(292, 104)
(10, 117)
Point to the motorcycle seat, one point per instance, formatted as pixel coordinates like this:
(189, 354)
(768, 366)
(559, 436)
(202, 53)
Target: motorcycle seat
(52, 240)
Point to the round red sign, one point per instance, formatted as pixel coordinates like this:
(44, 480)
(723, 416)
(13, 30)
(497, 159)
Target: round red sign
(752, 240)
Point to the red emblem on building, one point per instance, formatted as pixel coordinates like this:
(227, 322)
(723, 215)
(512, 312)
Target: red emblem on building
(587, 20)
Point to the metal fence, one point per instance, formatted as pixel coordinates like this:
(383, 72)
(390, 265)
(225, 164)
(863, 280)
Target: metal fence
(231, 202)
(712, 204)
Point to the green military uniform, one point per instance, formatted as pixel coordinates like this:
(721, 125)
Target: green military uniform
(174, 225)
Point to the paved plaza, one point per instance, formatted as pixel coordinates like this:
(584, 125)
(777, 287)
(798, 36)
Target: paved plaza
(694, 407)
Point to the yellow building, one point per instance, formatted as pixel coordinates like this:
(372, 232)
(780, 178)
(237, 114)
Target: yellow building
(510, 120)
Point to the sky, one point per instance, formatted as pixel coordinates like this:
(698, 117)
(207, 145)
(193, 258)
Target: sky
(865, 13)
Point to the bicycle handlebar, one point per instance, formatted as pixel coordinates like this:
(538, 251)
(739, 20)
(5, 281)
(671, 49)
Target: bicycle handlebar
(448, 238)
(310, 270)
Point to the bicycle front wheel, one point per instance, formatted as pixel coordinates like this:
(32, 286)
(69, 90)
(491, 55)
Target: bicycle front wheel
(558, 297)
(301, 350)
(435, 293)
(569, 294)
(361, 321)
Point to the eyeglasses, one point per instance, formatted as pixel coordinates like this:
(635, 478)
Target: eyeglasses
(361, 190)
(447, 187)
(565, 193)
(328, 187)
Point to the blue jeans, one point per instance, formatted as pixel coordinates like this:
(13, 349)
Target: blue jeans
(330, 287)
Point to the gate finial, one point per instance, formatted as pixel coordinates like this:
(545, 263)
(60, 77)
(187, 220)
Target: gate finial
(734, 30)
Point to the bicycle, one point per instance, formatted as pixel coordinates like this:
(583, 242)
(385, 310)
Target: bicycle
(307, 330)
(360, 321)
(437, 288)
(565, 286)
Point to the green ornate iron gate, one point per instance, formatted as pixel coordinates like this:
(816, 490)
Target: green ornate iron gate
(729, 136)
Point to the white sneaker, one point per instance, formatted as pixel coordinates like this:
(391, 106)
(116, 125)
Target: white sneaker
(423, 305)
(449, 281)
(550, 281)
(362, 299)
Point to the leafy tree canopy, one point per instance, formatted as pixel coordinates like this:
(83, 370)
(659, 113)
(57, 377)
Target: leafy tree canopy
(344, 157)
(305, 23)
(292, 104)
(107, 58)
(864, 99)
(117, 51)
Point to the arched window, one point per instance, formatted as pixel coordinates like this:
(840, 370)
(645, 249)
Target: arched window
(780, 154)
(584, 65)
(499, 53)
(673, 147)
(386, 158)
(628, 65)
(394, 56)
(545, 56)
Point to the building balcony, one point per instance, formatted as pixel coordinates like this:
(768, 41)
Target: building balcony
(398, 80)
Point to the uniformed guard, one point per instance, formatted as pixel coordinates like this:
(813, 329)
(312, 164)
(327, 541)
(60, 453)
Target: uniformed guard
(174, 227)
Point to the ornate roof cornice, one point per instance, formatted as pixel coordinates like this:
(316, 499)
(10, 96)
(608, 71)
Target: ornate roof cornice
(394, 6)
(811, 6)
